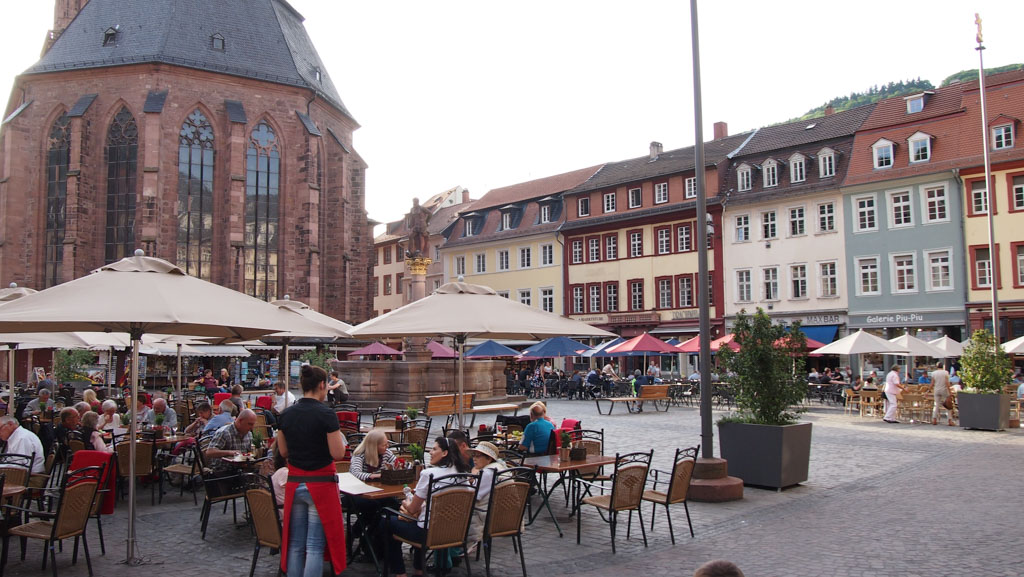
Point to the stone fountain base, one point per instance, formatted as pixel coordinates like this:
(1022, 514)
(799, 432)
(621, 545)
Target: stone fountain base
(401, 384)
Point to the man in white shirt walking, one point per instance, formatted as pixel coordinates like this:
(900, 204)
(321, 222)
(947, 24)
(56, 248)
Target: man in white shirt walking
(893, 387)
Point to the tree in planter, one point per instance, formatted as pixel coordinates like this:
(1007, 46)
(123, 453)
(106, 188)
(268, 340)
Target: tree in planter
(70, 365)
(984, 366)
(318, 358)
(767, 370)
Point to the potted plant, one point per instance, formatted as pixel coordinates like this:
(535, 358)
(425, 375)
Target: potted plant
(763, 442)
(412, 413)
(257, 443)
(985, 369)
(563, 451)
(158, 429)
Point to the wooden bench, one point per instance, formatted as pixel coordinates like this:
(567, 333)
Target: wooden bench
(495, 408)
(656, 394)
(446, 406)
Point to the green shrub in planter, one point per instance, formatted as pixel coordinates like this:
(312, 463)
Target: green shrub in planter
(985, 367)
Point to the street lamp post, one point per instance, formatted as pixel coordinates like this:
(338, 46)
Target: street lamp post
(989, 196)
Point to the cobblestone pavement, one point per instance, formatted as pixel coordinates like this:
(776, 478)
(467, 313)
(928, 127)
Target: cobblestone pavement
(907, 499)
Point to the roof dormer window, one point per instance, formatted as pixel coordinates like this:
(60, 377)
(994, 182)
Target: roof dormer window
(110, 36)
(915, 102)
(770, 173)
(920, 147)
(217, 42)
(743, 177)
(882, 153)
(318, 74)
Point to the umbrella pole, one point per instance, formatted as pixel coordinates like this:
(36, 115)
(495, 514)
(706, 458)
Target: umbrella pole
(178, 392)
(132, 431)
(11, 358)
(287, 366)
(111, 375)
(460, 342)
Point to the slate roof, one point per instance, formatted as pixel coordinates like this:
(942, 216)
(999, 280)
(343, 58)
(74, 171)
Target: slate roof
(668, 162)
(535, 188)
(264, 39)
(802, 132)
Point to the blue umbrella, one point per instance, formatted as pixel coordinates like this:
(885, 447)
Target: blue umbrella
(490, 349)
(556, 347)
(597, 351)
(673, 341)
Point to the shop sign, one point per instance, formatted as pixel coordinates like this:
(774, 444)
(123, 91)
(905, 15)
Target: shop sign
(685, 314)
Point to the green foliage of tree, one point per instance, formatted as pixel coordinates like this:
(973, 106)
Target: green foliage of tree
(767, 370)
(318, 358)
(970, 75)
(985, 366)
(70, 365)
(873, 94)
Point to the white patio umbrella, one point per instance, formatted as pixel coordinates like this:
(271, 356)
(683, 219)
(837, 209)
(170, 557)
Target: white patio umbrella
(916, 347)
(858, 343)
(951, 347)
(306, 311)
(9, 294)
(461, 311)
(140, 295)
(1014, 347)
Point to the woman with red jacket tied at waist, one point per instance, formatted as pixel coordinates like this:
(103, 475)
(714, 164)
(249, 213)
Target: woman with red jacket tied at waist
(309, 438)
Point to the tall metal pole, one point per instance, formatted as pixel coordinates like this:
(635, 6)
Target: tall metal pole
(706, 434)
(989, 193)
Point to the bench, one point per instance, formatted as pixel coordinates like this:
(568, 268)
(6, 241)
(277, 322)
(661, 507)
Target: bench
(445, 406)
(495, 408)
(656, 394)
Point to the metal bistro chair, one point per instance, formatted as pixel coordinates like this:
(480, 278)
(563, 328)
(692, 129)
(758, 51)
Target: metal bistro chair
(69, 520)
(678, 486)
(144, 465)
(187, 469)
(417, 431)
(628, 481)
(510, 491)
(449, 509)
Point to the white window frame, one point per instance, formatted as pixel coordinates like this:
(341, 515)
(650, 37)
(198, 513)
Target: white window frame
(506, 220)
(915, 103)
(858, 226)
(547, 254)
(636, 197)
(460, 266)
(545, 213)
(907, 208)
(919, 147)
(611, 247)
(665, 293)
(594, 298)
(744, 178)
(1002, 136)
(929, 256)
(503, 293)
(503, 262)
(1017, 193)
(797, 168)
(979, 196)
(770, 173)
(742, 228)
(577, 251)
(525, 296)
(896, 270)
(636, 240)
(690, 187)
(770, 283)
(769, 223)
(664, 240)
(826, 163)
(879, 159)
(583, 206)
(636, 298)
(684, 238)
(547, 299)
(594, 249)
(942, 200)
(744, 286)
(611, 293)
(983, 269)
(798, 282)
(661, 193)
(525, 257)
(859, 264)
(1020, 263)
(469, 230)
(827, 219)
(609, 202)
(578, 300)
(684, 292)
(828, 279)
(800, 221)
(480, 262)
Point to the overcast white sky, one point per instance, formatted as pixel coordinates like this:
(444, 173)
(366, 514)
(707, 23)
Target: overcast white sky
(488, 94)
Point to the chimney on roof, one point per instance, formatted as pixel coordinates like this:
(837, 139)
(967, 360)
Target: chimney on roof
(829, 111)
(656, 149)
(721, 130)
(465, 195)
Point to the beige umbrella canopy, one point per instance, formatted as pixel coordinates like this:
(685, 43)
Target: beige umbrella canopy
(916, 347)
(951, 347)
(1014, 347)
(308, 313)
(9, 294)
(461, 311)
(140, 295)
(858, 343)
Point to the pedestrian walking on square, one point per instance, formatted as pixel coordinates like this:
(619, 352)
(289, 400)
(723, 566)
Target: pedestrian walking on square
(941, 392)
(893, 387)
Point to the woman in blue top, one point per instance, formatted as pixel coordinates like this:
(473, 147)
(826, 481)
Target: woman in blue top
(537, 434)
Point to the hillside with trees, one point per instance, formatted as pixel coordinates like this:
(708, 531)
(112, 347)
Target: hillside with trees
(969, 75)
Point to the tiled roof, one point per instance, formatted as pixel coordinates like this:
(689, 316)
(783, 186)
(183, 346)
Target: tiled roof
(893, 111)
(668, 162)
(528, 225)
(264, 39)
(535, 188)
(802, 132)
(443, 217)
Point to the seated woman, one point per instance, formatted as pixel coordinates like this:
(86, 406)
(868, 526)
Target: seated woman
(371, 455)
(109, 420)
(89, 396)
(443, 461)
(90, 435)
(537, 434)
(486, 462)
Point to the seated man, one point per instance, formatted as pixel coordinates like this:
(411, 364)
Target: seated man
(82, 407)
(337, 390)
(141, 410)
(231, 439)
(537, 434)
(160, 408)
(236, 397)
(283, 398)
(209, 383)
(21, 441)
(69, 420)
(222, 416)
(37, 405)
(638, 382)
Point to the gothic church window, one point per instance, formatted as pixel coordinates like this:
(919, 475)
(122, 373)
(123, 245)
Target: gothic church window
(195, 196)
(263, 170)
(122, 152)
(58, 157)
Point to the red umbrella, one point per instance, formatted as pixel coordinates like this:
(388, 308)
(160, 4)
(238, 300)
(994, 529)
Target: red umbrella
(728, 340)
(375, 349)
(440, 351)
(643, 343)
(691, 346)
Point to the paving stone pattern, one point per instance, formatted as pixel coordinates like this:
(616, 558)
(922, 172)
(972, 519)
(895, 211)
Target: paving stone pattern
(882, 499)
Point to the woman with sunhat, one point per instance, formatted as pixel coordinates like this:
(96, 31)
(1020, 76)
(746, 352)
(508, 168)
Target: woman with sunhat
(487, 462)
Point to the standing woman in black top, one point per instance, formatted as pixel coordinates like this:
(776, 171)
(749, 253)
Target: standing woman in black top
(309, 437)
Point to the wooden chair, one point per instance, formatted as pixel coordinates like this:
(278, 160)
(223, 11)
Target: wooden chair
(628, 481)
(852, 402)
(870, 402)
(143, 465)
(510, 491)
(678, 486)
(68, 521)
(417, 431)
(265, 521)
(449, 509)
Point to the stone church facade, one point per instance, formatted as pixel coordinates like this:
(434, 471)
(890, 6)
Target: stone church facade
(206, 133)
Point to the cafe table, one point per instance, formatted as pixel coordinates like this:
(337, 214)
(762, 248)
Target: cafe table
(351, 486)
(546, 464)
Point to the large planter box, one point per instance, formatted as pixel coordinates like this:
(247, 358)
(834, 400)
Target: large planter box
(766, 455)
(988, 412)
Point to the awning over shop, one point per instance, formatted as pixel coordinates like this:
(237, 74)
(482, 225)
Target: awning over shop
(221, 351)
(822, 333)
